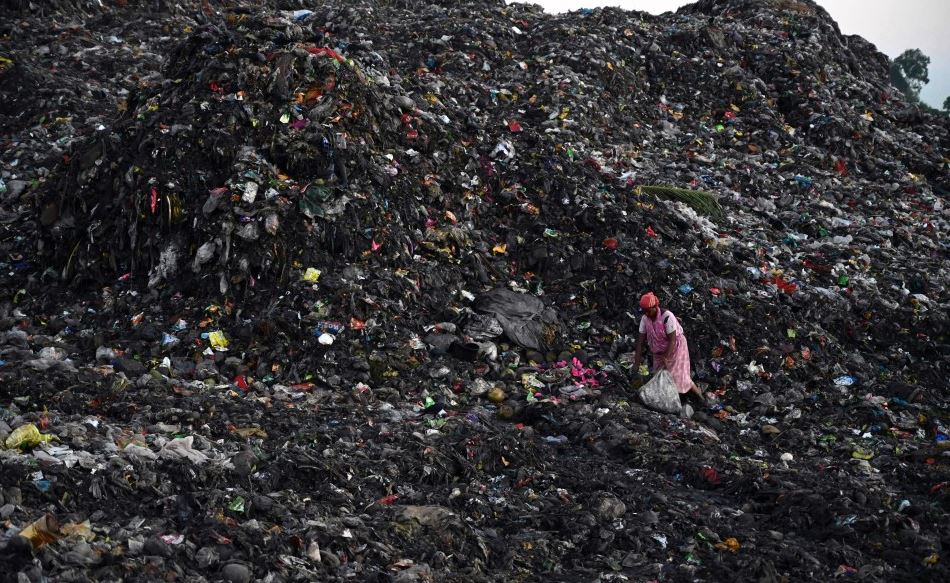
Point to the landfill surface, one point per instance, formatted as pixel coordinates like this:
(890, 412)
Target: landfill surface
(347, 290)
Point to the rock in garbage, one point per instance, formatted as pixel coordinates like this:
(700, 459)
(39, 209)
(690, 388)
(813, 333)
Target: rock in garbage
(610, 508)
(206, 557)
(236, 573)
(415, 574)
(155, 546)
(131, 367)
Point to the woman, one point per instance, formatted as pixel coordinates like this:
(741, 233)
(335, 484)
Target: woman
(663, 333)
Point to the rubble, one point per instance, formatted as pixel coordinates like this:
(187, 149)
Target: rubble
(346, 291)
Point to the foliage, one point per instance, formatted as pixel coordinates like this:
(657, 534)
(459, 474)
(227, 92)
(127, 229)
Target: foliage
(704, 203)
(900, 83)
(909, 72)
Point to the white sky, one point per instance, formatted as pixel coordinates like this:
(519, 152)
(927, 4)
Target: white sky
(891, 25)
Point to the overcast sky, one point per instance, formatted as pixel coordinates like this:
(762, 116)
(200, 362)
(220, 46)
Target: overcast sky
(892, 25)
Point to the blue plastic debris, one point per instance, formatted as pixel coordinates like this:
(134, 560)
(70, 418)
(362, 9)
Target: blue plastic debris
(803, 181)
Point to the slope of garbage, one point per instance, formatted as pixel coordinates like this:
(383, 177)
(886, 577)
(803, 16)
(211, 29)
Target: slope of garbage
(299, 291)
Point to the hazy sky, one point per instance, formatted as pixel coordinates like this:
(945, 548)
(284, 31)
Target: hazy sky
(892, 25)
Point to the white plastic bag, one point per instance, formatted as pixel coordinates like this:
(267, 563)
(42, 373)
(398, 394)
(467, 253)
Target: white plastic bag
(660, 394)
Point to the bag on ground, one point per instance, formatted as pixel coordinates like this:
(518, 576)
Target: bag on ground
(660, 394)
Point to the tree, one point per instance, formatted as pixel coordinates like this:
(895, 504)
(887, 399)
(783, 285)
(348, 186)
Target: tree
(946, 105)
(900, 82)
(911, 68)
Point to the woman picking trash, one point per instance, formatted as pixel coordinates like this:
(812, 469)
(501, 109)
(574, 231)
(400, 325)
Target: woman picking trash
(662, 331)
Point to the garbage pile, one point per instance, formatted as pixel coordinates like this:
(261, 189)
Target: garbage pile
(348, 291)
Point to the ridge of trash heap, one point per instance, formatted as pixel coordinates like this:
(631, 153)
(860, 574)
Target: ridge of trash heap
(347, 291)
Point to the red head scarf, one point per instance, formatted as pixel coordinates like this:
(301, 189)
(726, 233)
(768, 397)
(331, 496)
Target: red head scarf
(649, 300)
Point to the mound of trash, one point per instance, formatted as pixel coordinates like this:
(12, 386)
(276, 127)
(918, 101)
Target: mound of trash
(348, 290)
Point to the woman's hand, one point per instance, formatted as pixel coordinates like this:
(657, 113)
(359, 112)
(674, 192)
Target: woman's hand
(638, 351)
(663, 357)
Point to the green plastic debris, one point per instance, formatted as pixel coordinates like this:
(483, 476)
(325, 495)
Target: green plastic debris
(862, 454)
(313, 200)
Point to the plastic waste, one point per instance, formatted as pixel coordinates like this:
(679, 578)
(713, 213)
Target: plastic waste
(27, 436)
(43, 531)
(311, 275)
(660, 394)
(218, 340)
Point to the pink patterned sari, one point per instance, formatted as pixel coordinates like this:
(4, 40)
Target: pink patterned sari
(677, 361)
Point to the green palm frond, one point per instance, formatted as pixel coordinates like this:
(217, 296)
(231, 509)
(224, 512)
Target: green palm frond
(704, 203)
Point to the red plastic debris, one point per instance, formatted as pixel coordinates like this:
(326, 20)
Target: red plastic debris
(514, 126)
(783, 284)
(326, 51)
(841, 167)
(711, 476)
(845, 570)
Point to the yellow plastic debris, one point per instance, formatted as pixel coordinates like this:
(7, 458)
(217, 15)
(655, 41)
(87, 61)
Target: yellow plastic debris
(43, 531)
(731, 544)
(81, 529)
(218, 340)
(251, 432)
(26, 436)
(862, 454)
(311, 275)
